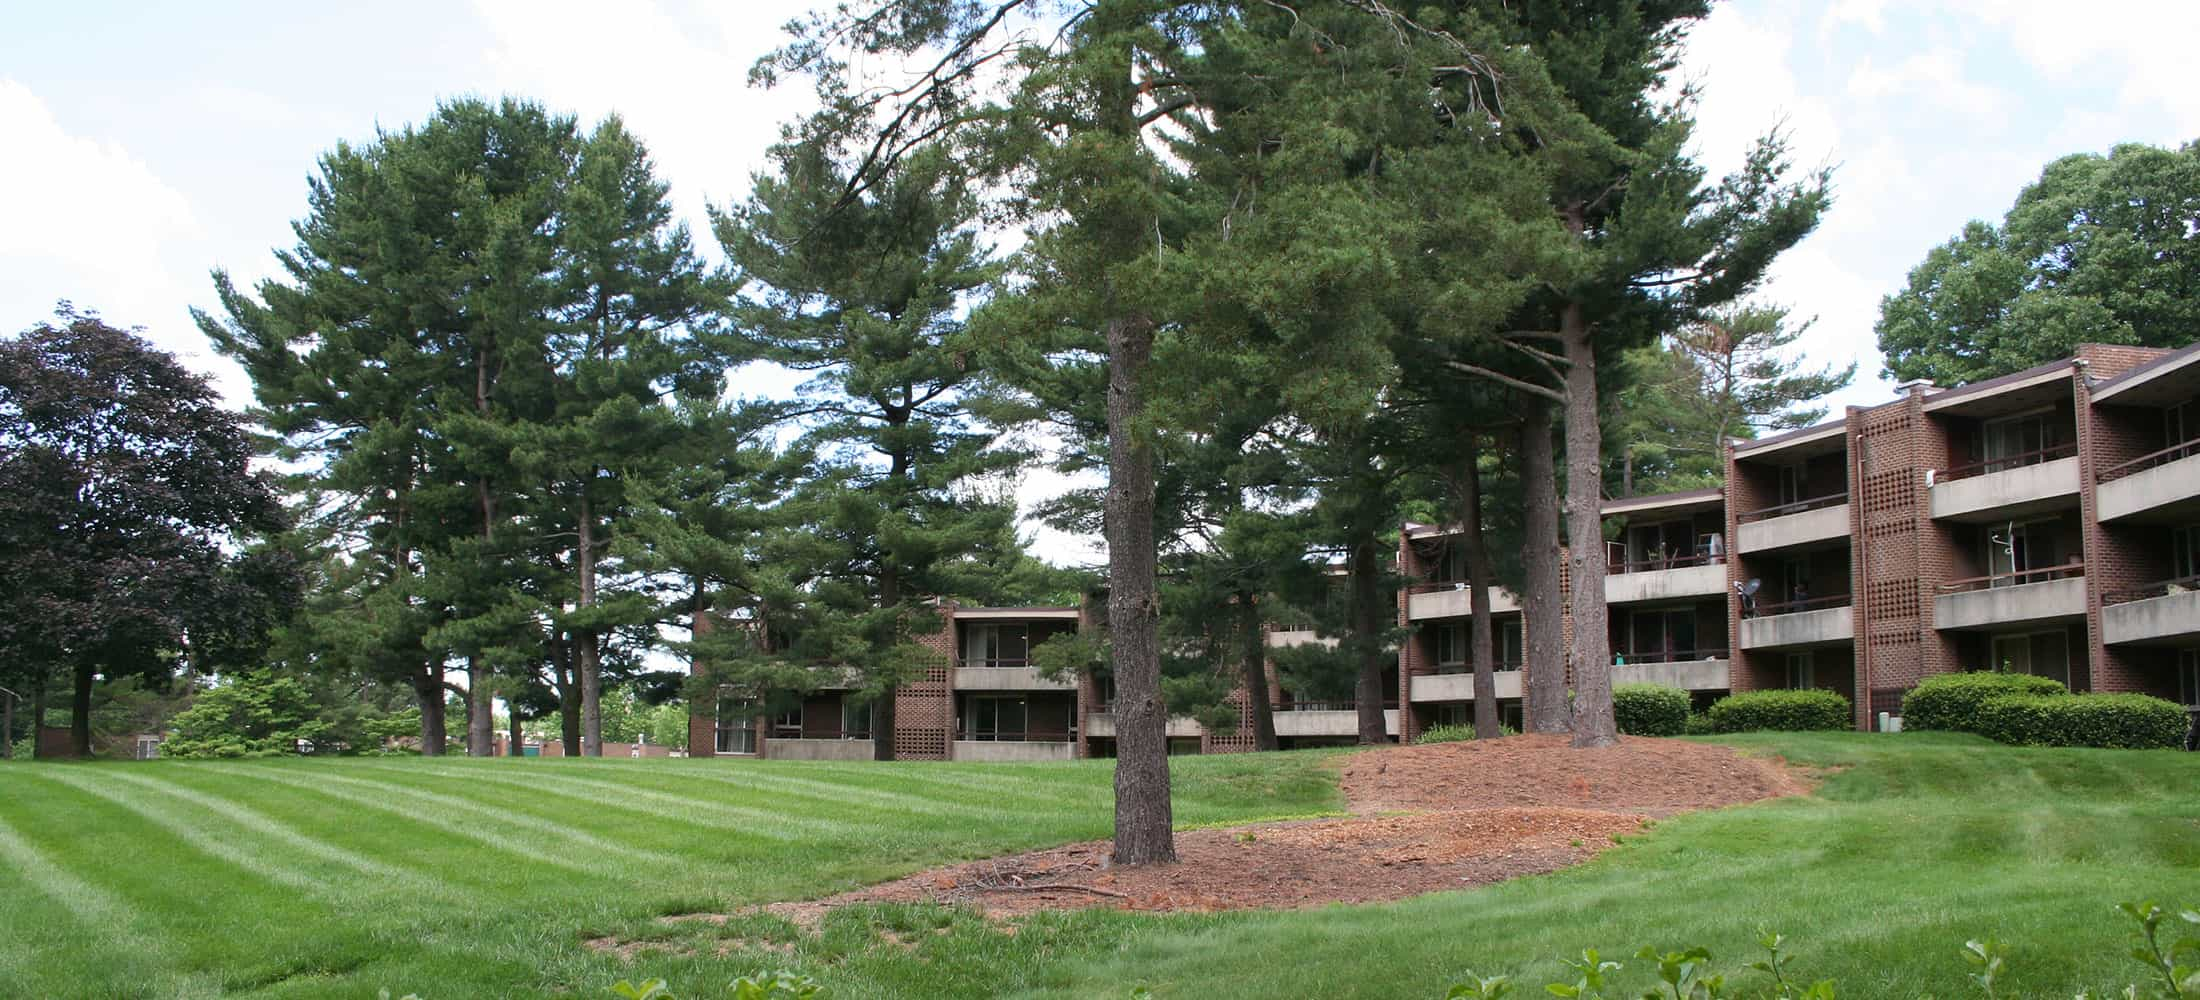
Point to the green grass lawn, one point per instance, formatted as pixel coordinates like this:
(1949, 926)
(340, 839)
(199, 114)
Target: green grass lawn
(461, 878)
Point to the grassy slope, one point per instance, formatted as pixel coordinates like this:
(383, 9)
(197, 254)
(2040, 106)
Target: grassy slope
(311, 878)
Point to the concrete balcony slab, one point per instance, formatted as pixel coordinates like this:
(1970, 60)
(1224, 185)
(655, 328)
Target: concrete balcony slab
(1460, 687)
(2170, 620)
(1688, 675)
(2166, 492)
(1822, 627)
(2044, 603)
(1789, 531)
(1012, 751)
(1285, 638)
(1102, 724)
(786, 749)
(2026, 489)
(1329, 723)
(1453, 603)
(1666, 584)
(1007, 679)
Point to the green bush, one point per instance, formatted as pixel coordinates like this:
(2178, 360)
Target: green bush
(2123, 721)
(1698, 724)
(1456, 734)
(1650, 709)
(1952, 701)
(1781, 711)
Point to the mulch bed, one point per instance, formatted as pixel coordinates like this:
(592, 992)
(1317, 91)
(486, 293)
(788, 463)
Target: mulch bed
(1428, 818)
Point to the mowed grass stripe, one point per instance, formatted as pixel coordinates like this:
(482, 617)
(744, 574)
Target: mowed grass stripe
(100, 911)
(768, 783)
(684, 808)
(229, 850)
(253, 821)
(384, 804)
(564, 834)
(1063, 786)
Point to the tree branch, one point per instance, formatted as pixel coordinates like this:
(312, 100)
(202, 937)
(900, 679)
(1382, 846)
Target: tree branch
(1524, 386)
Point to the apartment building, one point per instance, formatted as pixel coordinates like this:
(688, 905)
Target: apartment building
(2047, 522)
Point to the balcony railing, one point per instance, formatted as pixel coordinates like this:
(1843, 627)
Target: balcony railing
(1795, 507)
(1678, 560)
(971, 735)
(2007, 462)
(1763, 609)
(2150, 460)
(1463, 667)
(1632, 656)
(999, 661)
(2160, 588)
(2066, 571)
(1328, 706)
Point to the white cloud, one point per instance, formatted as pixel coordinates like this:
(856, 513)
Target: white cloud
(2141, 47)
(1933, 78)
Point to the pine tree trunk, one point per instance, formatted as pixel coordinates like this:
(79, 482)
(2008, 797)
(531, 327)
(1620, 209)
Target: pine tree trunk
(1255, 653)
(1368, 624)
(1594, 725)
(518, 746)
(1482, 648)
(587, 657)
(569, 693)
(428, 687)
(1547, 710)
(481, 720)
(1143, 813)
(80, 712)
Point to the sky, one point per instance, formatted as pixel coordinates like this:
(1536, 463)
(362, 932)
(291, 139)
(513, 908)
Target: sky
(147, 145)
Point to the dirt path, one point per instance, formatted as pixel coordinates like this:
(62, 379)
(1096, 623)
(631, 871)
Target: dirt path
(1427, 819)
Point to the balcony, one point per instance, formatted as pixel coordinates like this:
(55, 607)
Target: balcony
(2047, 596)
(1102, 724)
(2006, 487)
(1297, 635)
(1666, 578)
(2160, 614)
(1013, 751)
(2162, 486)
(777, 748)
(1460, 686)
(1818, 621)
(1006, 675)
(1449, 600)
(1329, 718)
(1789, 525)
(1689, 670)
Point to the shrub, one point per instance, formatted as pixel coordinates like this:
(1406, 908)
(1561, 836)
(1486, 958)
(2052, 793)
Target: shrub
(1650, 709)
(2125, 721)
(1698, 724)
(1456, 734)
(1952, 701)
(1782, 711)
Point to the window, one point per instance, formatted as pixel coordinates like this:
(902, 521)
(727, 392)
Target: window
(1510, 654)
(1451, 567)
(855, 718)
(1795, 581)
(1793, 480)
(1802, 671)
(2181, 423)
(788, 725)
(1183, 746)
(2188, 676)
(1004, 644)
(998, 718)
(1656, 546)
(2044, 653)
(1660, 635)
(1451, 646)
(2184, 551)
(736, 725)
(1454, 713)
(2016, 548)
(2016, 441)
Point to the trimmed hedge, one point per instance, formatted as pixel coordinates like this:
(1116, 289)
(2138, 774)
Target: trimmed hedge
(1953, 701)
(1780, 711)
(1650, 709)
(1456, 734)
(2121, 721)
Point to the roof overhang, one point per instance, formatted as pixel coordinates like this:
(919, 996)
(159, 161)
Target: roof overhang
(1686, 502)
(2161, 382)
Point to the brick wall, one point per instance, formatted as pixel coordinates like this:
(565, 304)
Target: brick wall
(924, 709)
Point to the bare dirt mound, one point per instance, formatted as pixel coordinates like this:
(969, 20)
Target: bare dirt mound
(1429, 818)
(1653, 776)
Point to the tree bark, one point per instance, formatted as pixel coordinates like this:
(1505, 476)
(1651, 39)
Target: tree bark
(428, 687)
(80, 713)
(1594, 725)
(1368, 625)
(587, 657)
(481, 720)
(7, 726)
(518, 745)
(1143, 813)
(1255, 653)
(1547, 709)
(569, 693)
(1482, 645)
(882, 706)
